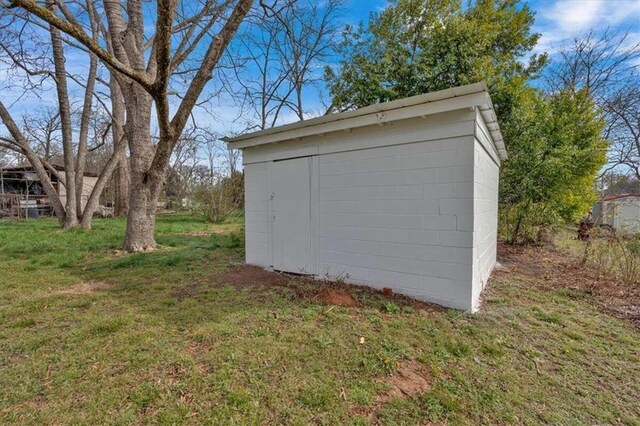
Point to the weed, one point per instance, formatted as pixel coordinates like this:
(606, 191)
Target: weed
(549, 317)
(235, 242)
(362, 393)
(436, 410)
(390, 308)
(492, 350)
(458, 349)
(575, 294)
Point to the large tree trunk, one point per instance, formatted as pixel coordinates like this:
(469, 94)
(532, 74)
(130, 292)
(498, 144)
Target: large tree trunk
(143, 83)
(141, 219)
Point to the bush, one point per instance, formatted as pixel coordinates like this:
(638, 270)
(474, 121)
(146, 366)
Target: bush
(613, 255)
(220, 200)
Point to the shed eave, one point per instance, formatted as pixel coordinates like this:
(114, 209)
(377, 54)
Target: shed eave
(491, 121)
(472, 95)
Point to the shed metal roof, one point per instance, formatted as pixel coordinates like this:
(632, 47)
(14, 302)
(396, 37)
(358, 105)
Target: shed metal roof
(471, 95)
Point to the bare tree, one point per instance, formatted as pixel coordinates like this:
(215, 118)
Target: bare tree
(260, 73)
(606, 65)
(42, 128)
(280, 54)
(6, 157)
(623, 112)
(188, 37)
(218, 186)
(233, 158)
(599, 62)
(613, 183)
(310, 30)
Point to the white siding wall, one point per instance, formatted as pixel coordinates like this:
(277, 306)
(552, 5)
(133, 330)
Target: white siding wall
(395, 206)
(485, 225)
(400, 217)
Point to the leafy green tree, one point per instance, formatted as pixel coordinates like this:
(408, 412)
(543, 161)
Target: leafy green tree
(555, 153)
(419, 46)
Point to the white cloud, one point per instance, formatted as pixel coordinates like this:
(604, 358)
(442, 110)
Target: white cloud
(572, 16)
(564, 20)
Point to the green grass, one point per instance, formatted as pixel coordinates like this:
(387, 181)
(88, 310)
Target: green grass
(129, 350)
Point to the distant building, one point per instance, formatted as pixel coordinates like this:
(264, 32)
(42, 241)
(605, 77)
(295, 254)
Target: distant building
(22, 193)
(620, 211)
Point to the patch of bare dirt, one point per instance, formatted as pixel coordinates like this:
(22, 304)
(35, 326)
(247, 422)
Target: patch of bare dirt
(409, 379)
(304, 288)
(252, 276)
(556, 269)
(332, 296)
(85, 288)
(308, 288)
(424, 308)
(241, 277)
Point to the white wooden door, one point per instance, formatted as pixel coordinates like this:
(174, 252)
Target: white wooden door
(291, 204)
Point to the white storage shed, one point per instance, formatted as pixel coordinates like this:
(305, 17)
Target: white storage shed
(402, 194)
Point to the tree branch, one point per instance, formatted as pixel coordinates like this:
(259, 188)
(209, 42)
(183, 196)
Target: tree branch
(79, 34)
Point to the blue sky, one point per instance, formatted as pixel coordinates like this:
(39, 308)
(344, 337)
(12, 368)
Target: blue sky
(556, 20)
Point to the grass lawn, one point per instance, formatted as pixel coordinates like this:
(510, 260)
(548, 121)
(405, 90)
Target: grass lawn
(89, 335)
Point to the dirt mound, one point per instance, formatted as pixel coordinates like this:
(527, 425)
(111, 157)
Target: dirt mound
(84, 288)
(252, 276)
(331, 296)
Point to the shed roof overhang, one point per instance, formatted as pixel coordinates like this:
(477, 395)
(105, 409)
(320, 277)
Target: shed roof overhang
(470, 96)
